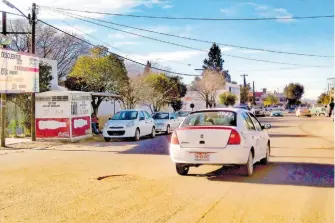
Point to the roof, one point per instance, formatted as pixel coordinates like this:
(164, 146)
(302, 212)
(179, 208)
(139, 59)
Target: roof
(103, 94)
(61, 93)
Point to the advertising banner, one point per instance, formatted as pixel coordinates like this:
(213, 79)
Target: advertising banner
(53, 128)
(19, 72)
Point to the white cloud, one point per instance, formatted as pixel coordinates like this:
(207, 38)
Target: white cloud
(112, 6)
(124, 43)
(251, 51)
(168, 56)
(76, 29)
(269, 11)
(226, 48)
(228, 11)
(168, 6)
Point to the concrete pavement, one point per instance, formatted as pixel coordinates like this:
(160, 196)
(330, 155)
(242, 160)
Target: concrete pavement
(136, 182)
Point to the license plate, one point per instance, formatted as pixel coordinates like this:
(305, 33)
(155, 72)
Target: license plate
(201, 156)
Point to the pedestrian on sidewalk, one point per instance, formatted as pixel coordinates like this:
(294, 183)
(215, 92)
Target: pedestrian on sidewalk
(331, 108)
(94, 121)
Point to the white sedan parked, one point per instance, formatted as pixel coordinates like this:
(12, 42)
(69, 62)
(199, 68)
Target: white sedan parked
(129, 124)
(165, 121)
(220, 137)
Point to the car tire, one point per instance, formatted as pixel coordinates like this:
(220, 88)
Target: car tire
(153, 132)
(248, 168)
(266, 159)
(137, 135)
(167, 130)
(107, 139)
(182, 169)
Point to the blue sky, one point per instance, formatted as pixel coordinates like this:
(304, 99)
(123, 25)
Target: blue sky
(313, 36)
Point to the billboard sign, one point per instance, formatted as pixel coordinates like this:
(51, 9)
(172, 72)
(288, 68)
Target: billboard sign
(19, 72)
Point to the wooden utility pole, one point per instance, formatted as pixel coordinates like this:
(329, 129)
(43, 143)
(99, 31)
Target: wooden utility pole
(33, 44)
(253, 92)
(244, 80)
(3, 95)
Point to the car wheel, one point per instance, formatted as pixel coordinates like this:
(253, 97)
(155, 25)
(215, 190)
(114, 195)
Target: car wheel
(153, 133)
(107, 139)
(167, 130)
(248, 168)
(137, 135)
(266, 159)
(182, 169)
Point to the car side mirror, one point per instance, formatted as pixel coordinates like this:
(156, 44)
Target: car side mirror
(110, 119)
(266, 126)
(171, 117)
(142, 119)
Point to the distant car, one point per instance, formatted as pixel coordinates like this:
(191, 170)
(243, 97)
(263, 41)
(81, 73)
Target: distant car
(259, 111)
(182, 115)
(291, 110)
(276, 112)
(303, 111)
(129, 124)
(165, 121)
(245, 107)
(318, 110)
(220, 137)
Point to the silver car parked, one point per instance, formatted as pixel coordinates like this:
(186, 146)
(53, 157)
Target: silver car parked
(165, 121)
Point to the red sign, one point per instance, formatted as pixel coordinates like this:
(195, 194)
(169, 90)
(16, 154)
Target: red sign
(52, 128)
(81, 126)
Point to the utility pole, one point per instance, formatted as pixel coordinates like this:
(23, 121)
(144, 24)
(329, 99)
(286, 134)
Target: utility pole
(33, 44)
(244, 80)
(253, 92)
(3, 95)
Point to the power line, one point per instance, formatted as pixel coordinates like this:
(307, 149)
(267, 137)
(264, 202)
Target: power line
(206, 41)
(197, 18)
(180, 45)
(85, 41)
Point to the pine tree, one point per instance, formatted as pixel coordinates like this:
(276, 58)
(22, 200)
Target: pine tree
(215, 61)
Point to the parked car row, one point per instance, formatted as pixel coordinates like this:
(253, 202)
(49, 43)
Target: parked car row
(136, 123)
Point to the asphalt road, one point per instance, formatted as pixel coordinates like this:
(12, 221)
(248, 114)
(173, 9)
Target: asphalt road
(137, 182)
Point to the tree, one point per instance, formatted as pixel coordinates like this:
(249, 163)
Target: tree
(45, 76)
(50, 44)
(99, 71)
(294, 92)
(271, 100)
(215, 62)
(208, 86)
(244, 94)
(323, 99)
(227, 98)
(161, 91)
(177, 105)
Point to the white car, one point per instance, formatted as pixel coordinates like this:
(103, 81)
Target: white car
(165, 121)
(129, 124)
(182, 115)
(220, 137)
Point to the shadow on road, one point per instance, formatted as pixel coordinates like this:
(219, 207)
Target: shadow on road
(280, 126)
(289, 135)
(279, 173)
(303, 157)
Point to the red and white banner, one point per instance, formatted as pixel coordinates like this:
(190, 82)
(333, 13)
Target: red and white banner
(81, 126)
(52, 127)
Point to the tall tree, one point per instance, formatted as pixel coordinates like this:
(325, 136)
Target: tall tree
(271, 100)
(215, 62)
(208, 86)
(100, 71)
(227, 99)
(50, 44)
(294, 92)
(324, 99)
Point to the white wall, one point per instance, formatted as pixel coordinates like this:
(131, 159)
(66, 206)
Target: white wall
(54, 81)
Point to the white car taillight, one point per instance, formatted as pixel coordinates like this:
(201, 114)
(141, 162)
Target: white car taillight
(174, 138)
(234, 138)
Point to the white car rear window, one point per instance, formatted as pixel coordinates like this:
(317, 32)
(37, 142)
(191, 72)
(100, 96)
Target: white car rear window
(220, 118)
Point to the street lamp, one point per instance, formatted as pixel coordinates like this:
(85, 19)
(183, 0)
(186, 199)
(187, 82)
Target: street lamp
(13, 7)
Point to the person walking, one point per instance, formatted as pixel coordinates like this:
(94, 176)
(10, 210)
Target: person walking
(331, 107)
(94, 121)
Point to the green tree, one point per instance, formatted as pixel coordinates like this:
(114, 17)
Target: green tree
(45, 76)
(323, 99)
(161, 91)
(100, 71)
(244, 94)
(215, 62)
(176, 105)
(294, 92)
(271, 100)
(227, 98)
